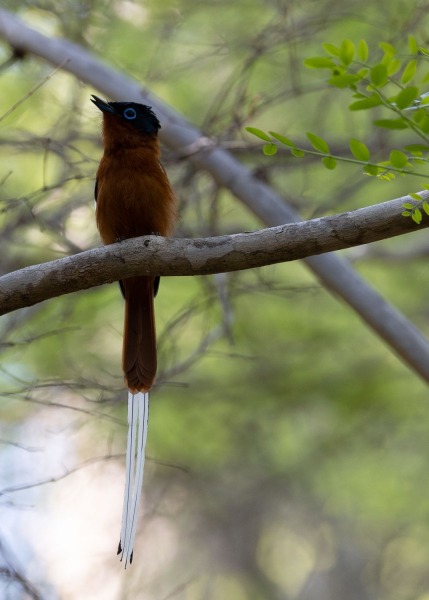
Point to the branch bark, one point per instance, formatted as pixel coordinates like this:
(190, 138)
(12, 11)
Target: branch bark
(164, 256)
(334, 273)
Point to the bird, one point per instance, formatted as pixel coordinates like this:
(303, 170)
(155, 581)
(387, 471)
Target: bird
(133, 198)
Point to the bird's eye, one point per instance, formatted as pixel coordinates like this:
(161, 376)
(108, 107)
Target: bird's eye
(130, 114)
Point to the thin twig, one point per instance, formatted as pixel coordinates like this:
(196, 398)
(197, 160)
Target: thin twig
(34, 89)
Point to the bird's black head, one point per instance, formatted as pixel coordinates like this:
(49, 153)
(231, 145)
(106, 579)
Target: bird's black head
(138, 116)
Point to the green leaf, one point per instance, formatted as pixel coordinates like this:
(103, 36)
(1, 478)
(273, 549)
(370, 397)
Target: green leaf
(281, 138)
(269, 149)
(344, 80)
(406, 213)
(318, 143)
(417, 216)
(412, 45)
(408, 205)
(424, 124)
(298, 153)
(425, 207)
(362, 50)
(386, 176)
(406, 96)
(409, 71)
(359, 150)
(416, 197)
(319, 62)
(424, 51)
(391, 123)
(387, 48)
(393, 66)
(417, 148)
(369, 102)
(362, 72)
(378, 75)
(372, 170)
(398, 159)
(383, 170)
(331, 49)
(259, 133)
(347, 52)
(418, 115)
(329, 162)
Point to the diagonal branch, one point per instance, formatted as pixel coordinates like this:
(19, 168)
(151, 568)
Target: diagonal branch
(335, 274)
(170, 256)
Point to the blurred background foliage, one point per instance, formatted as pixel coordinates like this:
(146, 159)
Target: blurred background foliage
(288, 446)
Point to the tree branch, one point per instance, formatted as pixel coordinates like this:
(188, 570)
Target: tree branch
(336, 274)
(163, 256)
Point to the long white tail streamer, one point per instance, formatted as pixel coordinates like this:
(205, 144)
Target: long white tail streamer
(138, 415)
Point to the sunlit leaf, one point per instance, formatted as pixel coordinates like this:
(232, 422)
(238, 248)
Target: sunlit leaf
(359, 150)
(391, 123)
(329, 162)
(387, 48)
(281, 138)
(408, 205)
(363, 72)
(366, 103)
(417, 148)
(318, 143)
(406, 96)
(362, 50)
(331, 49)
(259, 133)
(372, 170)
(378, 75)
(417, 216)
(386, 176)
(412, 44)
(406, 213)
(344, 80)
(416, 197)
(393, 65)
(425, 206)
(398, 159)
(319, 62)
(424, 123)
(384, 173)
(347, 51)
(269, 149)
(409, 71)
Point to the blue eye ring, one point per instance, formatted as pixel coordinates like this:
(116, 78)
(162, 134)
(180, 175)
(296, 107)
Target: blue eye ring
(130, 114)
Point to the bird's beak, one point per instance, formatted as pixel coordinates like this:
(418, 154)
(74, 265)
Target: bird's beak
(102, 104)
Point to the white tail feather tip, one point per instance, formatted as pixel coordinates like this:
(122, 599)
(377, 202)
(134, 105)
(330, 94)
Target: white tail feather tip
(138, 415)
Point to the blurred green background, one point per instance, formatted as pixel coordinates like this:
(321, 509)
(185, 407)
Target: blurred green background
(288, 447)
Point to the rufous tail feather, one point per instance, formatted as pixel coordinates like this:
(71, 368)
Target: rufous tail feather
(139, 350)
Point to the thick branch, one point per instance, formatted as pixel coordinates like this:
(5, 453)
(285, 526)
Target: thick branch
(155, 255)
(335, 273)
